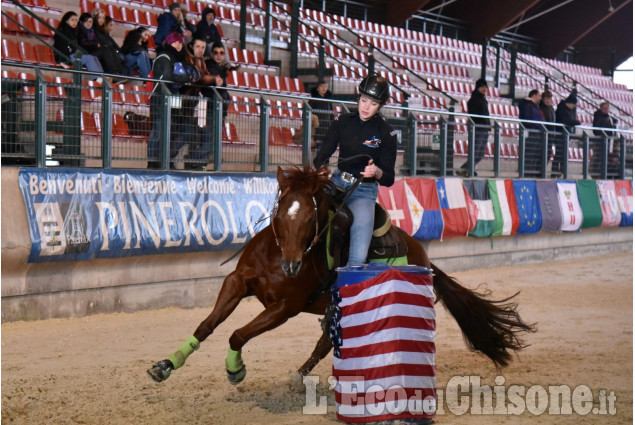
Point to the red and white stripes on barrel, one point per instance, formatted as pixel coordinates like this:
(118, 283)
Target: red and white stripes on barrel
(386, 364)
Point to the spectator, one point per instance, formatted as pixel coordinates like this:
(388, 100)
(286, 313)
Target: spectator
(165, 67)
(168, 23)
(546, 107)
(86, 35)
(111, 57)
(99, 17)
(66, 41)
(477, 105)
(322, 109)
(565, 114)
(218, 66)
(602, 119)
(187, 27)
(135, 51)
(528, 109)
(206, 29)
(200, 145)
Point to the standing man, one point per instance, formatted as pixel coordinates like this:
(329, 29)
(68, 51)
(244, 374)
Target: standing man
(602, 119)
(477, 105)
(565, 114)
(168, 22)
(528, 109)
(322, 110)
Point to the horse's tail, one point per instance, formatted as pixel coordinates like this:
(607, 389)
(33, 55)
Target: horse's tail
(492, 327)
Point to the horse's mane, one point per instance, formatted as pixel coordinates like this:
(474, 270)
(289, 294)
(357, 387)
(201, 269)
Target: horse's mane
(307, 177)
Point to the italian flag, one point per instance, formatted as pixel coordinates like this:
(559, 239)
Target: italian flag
(505, 212)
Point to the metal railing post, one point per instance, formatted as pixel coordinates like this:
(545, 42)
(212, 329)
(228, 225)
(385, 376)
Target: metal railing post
(544, 155)
(522, 146)
(412, 124)
(166, 124)
(306, 133)
(565, 163)
(471, 137)
(585, 156)
(40, 119)
(484, 58)
(497, 149)
(622, 158)
(443, 146)
(321, 61)
(295, 22)
(267, 41)
(106, 125)
(217, 136)
(264, 134)
(243, 24)
(512, 73)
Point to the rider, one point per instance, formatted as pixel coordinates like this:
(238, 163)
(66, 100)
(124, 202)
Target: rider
(368, 149)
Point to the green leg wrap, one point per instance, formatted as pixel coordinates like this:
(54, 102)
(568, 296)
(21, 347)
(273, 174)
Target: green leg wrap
(234, 361)
(179, 356)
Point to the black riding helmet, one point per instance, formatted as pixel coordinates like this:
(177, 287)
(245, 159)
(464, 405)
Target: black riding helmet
(376, 88)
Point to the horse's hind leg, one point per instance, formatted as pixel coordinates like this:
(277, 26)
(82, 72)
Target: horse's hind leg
(322, 348)
(233, 290)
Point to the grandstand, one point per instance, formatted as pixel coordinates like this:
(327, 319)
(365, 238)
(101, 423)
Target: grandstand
(55, 116)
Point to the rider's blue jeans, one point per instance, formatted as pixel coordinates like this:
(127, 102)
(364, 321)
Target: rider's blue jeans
(362, 205)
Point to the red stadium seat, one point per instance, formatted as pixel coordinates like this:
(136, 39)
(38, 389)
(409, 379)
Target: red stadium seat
(9, 25)
(45, 55)
(41, 29)
(229, 133)
(89, 124)
(27, 52)
(26, 23)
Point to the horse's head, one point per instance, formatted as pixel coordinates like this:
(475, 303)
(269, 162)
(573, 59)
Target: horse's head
(295, 223)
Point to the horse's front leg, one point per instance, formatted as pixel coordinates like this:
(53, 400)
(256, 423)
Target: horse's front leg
(322, 348)
(233, 290)
(274, 315)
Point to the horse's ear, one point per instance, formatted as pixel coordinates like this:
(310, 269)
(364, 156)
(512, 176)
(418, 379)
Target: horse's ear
(282, 178)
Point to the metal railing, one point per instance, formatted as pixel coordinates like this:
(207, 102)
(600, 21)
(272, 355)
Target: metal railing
(57, 122)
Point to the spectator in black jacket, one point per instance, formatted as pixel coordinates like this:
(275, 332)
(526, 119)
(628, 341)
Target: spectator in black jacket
(477, 105)
(168, 55)
(528, 109)
(135, 51)
(602, 119)
(111, 58)
(206, 30)
(67, 42)
(322, 109)
(565, 114)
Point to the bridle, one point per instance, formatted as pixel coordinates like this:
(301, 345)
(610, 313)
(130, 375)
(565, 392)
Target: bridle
(274, 213)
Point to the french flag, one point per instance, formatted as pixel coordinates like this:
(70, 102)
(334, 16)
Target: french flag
(384, 362)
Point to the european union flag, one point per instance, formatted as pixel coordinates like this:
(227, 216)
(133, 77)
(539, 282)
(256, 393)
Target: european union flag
(528, 206)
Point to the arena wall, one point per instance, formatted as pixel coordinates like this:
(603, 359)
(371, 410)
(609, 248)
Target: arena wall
(70, 289)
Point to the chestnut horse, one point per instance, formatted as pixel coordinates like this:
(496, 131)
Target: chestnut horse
(285, 267)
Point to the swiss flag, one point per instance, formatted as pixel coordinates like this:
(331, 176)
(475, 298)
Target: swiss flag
(395, 200)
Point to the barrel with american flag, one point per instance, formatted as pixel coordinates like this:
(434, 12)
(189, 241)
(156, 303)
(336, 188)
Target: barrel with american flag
(383, 333)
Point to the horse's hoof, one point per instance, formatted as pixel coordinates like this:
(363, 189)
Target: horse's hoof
(160, 371)
(236, 378)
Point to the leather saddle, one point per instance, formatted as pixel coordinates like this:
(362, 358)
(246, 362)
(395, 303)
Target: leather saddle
(387, 241)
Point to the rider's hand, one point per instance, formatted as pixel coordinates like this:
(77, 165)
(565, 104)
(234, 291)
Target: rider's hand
(371, 170)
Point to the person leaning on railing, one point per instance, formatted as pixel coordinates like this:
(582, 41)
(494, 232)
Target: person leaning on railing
(565, 114)
(168, 66)
(66, 40)
(528, 109)
(602, 119)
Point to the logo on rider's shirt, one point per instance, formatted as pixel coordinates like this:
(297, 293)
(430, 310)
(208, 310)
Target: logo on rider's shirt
(373, 143)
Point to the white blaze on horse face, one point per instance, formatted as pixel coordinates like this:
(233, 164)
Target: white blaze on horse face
(293, 210)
